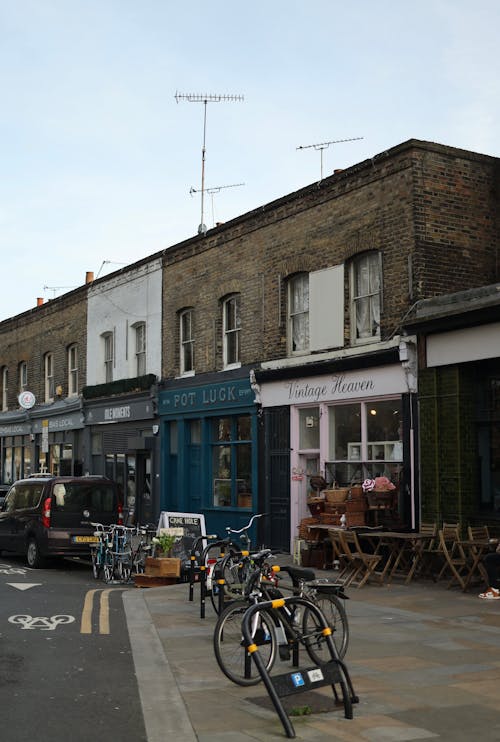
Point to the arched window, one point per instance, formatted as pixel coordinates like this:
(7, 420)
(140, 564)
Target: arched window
(298, 314)
(366, 297)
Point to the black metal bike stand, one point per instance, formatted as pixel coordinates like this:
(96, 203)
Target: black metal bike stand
(300, 680)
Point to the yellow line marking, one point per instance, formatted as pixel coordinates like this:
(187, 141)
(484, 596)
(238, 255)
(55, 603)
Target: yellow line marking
(88, 605)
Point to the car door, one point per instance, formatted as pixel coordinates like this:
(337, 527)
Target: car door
(7, 520)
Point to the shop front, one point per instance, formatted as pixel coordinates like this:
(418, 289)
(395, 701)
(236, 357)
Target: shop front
(209, 449)
(16, 447)
(345, 427)
(121, 442)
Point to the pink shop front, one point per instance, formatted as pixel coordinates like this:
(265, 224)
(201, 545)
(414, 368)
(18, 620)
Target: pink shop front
(346, 426)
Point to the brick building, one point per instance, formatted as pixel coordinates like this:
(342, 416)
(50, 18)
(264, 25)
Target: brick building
(286, 344)
(43, 352)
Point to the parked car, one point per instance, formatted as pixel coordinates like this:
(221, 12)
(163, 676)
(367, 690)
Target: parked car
(4, 488)
(47, 516)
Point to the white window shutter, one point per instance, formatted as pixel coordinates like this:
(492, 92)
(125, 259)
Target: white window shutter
(326, 308)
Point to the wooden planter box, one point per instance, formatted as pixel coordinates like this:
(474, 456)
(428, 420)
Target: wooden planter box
(163, 567)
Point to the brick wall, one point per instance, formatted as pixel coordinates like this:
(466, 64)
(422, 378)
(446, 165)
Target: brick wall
(432, 212)
(49, 328)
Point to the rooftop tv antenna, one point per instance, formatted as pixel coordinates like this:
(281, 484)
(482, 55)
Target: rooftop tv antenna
(58, 288)
(324, 145)
(106, 262)
(212, 191)
(205, 98)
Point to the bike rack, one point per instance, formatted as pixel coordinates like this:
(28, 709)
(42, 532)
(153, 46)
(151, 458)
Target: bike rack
(300, 680)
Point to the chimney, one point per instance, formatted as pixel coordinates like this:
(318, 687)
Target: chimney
(338, 170)
(89, 276)
(39, 301)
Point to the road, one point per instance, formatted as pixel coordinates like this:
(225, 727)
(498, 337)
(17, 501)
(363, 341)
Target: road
(66, 667)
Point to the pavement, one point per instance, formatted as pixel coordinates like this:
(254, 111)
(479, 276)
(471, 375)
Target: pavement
(423, 659)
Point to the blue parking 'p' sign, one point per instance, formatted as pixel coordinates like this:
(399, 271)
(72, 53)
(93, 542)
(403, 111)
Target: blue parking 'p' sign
(297, 679)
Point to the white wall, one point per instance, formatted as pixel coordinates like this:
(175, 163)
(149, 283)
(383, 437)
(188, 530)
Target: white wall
(115, 306)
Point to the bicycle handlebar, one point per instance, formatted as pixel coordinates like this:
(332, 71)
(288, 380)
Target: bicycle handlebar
(249, 524)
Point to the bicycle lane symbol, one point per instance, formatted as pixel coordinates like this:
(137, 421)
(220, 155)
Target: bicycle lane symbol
(43, 623)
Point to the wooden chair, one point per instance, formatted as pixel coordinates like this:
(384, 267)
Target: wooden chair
(455, 562)
(479, 533)
(362, 564)
(423, 552)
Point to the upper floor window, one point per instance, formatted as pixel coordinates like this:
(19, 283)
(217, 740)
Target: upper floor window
(366, 285)
(5, 388)
(140, 348)
(49, 377)
(23, 376)
(231, 326)
(109, 356)
(186, 334)
(298, 313)
(72, 370)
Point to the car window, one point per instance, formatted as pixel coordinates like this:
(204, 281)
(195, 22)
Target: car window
(22, 497)
(74, 497)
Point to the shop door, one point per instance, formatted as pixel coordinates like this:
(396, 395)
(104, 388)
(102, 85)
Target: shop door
(276, 528)
(144, 499)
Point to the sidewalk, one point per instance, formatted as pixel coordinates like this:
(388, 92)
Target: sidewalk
(424, 661)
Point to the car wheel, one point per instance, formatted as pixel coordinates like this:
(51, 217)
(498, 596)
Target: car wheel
(33, 556)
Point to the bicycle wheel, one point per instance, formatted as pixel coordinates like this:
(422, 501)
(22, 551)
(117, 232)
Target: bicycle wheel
(233, 585)
(109, 567)
(334, 612)
(96, 563)
(229, 645)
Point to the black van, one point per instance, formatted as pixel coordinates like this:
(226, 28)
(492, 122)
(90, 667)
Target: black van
(47, 516)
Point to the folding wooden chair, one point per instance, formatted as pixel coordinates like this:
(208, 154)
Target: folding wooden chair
(362, 564)
(455, 561)
(479, 533)
(424, 552)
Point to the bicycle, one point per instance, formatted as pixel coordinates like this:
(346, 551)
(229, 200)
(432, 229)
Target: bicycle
(284, 630)
(228, 575)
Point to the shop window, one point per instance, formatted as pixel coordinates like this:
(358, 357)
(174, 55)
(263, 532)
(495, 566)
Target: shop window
(72, 370)
(49, 377)
(232, 462)
(366, 297)
(108, 350)
(309, 428)
(23, 376)
(140, 348)
(231, 326)
(366, 441)
(5, 388)
(298, 313)
(186, 335)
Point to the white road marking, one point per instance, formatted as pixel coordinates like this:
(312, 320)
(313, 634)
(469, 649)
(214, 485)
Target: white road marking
(43, 623)
(24, 585)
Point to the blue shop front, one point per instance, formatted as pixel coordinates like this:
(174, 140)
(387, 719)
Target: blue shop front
(209, 450)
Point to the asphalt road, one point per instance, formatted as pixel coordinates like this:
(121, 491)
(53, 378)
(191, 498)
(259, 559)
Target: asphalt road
(66, 667)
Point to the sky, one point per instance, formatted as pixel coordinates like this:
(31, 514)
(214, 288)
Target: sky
(101, 164)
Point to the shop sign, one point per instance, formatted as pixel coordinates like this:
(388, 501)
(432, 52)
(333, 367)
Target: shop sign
(59, 422)
(45, 436)
(119, 413)
(15, 429)
(209, 397)
(335, 387)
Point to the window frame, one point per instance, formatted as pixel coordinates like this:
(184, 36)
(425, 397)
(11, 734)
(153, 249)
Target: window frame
(140, 348)
(293, 313)
(373, 256)
(48, 376)
(5, 389)
(108, 357)
(231, 332)
(23, 376)
(72, 356)
(186, 342)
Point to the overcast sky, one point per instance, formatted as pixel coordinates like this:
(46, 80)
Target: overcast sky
(98, 158)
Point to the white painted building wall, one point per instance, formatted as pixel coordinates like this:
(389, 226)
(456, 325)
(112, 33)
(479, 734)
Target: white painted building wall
(116, 306)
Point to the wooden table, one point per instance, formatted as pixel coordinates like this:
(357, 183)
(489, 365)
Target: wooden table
(397, 544)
